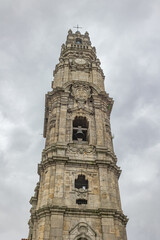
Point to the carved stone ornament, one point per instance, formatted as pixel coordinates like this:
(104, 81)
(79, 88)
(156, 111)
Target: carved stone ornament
(53, 121)
(80, 61)
(81, 91)
(82, 231)
(81, 193)
(81, 149)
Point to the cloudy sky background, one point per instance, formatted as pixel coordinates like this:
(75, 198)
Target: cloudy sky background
(126, 34)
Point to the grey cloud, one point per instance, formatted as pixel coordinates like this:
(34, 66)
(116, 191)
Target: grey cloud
(126, 36)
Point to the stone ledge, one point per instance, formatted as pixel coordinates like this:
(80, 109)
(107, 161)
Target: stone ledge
(100, 212)
(65, 160)
(98, 149)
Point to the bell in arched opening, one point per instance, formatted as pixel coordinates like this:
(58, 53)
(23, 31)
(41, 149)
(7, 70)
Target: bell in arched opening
(80, 128)
(79, 133)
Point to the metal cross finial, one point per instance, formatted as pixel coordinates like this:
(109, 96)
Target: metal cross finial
(77, 27)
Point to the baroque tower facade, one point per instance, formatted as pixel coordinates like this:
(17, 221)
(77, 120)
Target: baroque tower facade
(77, 196)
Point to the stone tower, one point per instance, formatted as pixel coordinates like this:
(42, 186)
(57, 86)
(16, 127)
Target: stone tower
(77, 196)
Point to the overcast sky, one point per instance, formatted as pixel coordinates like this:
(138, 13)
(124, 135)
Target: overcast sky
(126, 34)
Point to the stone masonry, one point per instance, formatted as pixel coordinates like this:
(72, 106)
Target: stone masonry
(77, 196)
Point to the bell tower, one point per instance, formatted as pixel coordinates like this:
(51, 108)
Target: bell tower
(77, 196)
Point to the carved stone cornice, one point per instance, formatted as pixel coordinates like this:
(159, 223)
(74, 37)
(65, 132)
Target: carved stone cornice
(51, 161)
(99, 149)
(49, 151)
(100, 212)
(72, 49)
(67, 160)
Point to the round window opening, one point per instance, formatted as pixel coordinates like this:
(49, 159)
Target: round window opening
(78, 41)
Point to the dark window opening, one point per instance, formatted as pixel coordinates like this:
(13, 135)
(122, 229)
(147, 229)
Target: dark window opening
(81, 201)
(81, 182)
(78, 41)
(80, 129)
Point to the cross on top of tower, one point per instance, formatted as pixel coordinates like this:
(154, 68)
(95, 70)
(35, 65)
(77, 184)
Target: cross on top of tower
(77, 27)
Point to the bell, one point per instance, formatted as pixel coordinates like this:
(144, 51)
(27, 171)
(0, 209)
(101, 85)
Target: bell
(79, 133)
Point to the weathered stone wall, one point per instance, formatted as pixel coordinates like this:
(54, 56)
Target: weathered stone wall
(73, 226)
(78, 91)
(57, 186)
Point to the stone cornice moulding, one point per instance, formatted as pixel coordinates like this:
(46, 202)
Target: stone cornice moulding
(90, 163)
(100, 212)
(51, 151)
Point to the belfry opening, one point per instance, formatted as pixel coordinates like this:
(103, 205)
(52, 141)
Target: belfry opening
(80, 128)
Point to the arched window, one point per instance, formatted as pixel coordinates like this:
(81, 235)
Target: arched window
(80, 129)
(81, 182)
